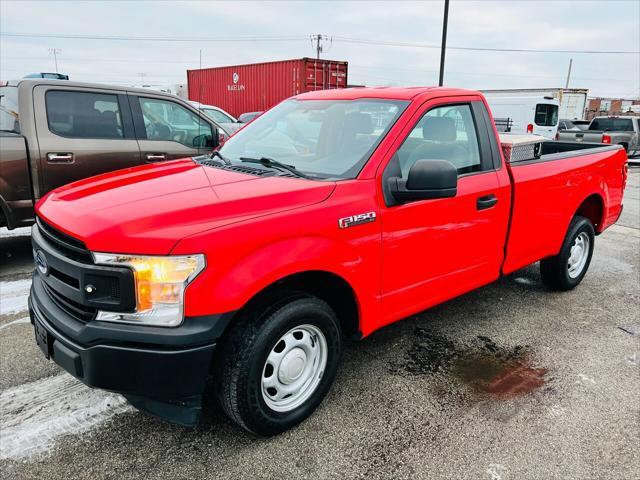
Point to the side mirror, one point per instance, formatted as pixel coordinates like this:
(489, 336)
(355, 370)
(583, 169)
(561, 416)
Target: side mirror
(427, 179)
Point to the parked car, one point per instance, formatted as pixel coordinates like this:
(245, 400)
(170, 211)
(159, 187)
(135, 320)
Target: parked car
(581, 124)
(50, 76)
(611, 130)
(53, 133)
(566, 124)
(536, 115)
(249, 116)
(225, 120)
(250, 265)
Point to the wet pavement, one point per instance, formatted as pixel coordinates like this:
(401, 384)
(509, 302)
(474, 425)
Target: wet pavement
(507, 382)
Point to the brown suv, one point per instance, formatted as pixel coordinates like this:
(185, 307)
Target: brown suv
(54, 132)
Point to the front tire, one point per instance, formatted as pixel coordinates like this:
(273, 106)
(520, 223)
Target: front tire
(278, 362)
(566, 270)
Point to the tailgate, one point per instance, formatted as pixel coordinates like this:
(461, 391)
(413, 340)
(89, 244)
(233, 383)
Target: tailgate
(587, 136)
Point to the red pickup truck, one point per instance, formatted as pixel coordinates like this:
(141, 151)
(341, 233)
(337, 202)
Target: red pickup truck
(335, 213)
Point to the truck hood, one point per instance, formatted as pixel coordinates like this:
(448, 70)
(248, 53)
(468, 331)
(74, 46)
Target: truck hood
(147, 209)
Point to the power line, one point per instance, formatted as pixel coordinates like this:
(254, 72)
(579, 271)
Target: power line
(284, 38)
(485, 74)
(477, 49)
(248, 38)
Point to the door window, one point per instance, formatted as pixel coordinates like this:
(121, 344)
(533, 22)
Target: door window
(169, 121)
(83, 114)
(443, 133)
(546, 115)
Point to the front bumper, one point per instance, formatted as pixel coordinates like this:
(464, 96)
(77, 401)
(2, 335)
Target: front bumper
(160, 370)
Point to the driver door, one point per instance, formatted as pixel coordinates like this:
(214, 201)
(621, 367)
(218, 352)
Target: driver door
(435, 249)
(168, 130)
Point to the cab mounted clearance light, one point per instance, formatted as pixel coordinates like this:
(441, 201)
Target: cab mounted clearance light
(160, 283)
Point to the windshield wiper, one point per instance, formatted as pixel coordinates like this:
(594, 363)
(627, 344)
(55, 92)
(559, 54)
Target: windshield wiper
(270, 162)
(216, 153)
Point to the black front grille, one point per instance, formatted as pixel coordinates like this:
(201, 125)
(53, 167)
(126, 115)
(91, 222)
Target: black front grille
(67, 245)
(75, 309)
(73, 282)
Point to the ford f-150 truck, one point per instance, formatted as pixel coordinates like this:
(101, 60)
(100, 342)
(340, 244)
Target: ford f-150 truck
(623, 131)
(333, 214)
(54, 132)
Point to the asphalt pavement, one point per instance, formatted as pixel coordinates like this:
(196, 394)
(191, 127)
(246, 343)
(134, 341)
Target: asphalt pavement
(507, 382)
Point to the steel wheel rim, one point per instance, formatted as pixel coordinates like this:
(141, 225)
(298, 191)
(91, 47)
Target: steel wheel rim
(294, 367)
(578, 255)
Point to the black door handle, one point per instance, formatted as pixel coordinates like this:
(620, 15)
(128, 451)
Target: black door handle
(486, 201)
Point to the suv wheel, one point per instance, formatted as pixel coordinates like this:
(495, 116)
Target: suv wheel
(278, 362)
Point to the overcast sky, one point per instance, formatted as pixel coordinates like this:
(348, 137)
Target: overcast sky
(551, 25)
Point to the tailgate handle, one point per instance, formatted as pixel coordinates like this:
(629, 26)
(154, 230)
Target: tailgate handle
(486, 201)
(60, 157)
(156, 157)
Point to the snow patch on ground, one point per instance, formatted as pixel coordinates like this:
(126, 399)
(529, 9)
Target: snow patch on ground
(16, 322)
(16, 232)
(13, 296)
(36, 415)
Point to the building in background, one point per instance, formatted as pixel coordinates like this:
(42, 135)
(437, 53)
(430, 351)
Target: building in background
(612, 106)
(259, 86)
(573, 101)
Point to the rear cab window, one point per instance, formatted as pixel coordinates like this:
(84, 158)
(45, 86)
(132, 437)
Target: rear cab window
(9, 118)
(546, 115)
(612, 124)
(76, 114)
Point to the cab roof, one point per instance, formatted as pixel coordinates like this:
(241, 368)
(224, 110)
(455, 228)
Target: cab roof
(388, 93)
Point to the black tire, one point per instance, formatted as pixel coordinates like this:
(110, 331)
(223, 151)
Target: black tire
(555, 270)
(241, 360)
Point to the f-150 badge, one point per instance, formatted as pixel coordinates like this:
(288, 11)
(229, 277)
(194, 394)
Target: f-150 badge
(354, 220)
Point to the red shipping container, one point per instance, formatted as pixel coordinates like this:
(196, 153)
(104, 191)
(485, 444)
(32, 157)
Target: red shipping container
(259, 86)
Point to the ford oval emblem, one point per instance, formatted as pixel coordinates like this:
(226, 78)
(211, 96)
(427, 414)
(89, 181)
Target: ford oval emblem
(41, 262)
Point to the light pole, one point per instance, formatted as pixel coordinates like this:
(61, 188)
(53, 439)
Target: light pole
(443, 46)
(55, 52)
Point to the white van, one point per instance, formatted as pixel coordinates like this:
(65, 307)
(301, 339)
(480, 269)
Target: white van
(537, 115)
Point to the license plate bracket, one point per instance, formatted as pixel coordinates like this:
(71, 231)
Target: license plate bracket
(43, 339)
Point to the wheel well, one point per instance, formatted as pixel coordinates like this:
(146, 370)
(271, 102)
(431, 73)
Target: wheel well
(593, 209)
(327, 286)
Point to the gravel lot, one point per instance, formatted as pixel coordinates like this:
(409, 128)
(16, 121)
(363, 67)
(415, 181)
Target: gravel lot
(507, 382)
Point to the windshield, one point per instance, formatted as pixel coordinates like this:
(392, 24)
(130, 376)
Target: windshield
(612, 124)
(323, 138)
(217, 115)
(9, 109)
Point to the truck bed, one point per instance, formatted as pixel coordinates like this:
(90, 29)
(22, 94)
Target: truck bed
(548, 191)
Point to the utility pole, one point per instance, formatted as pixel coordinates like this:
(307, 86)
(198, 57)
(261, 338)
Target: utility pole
(318, 39)
(566, 85)
(55, 52)
(443, 46)
(142, 75)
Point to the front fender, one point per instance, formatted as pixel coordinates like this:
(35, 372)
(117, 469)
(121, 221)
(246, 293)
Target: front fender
(227, 285)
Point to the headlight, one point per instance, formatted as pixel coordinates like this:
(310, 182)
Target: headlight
(160, 283)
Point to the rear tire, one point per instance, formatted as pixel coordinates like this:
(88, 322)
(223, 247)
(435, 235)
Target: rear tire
(278, 362)
(566, 270)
